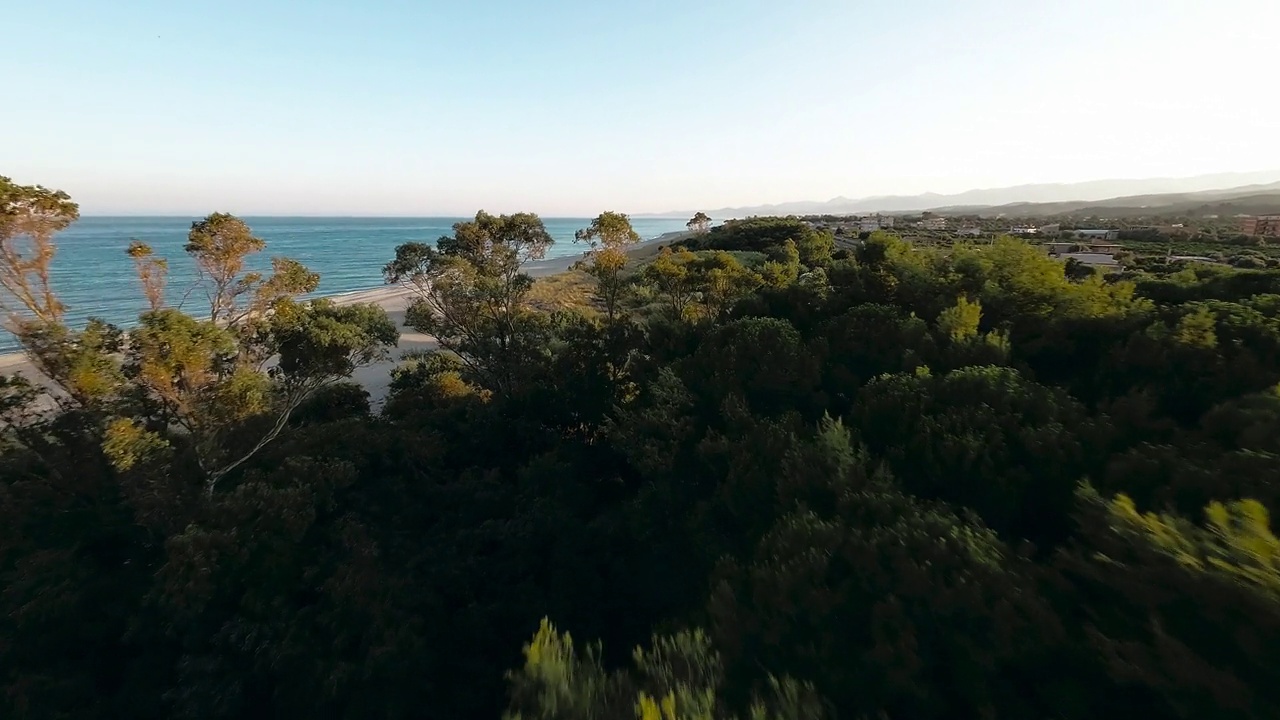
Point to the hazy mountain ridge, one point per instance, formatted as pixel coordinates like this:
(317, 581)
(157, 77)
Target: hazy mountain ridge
(1203, 187)
(1249, 199)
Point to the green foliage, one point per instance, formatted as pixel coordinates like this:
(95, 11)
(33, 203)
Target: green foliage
(220, 244)
(1187, 618)
(862, 472)
(699, 223)
(723, 281)
(763, 234)
(670, 274)
(321, 340)
(783, 267)
(852, 599)
(609, 230)
(973, 436)
(30, 215)
(609, 235)
(332, 403)
(469, 293)
(761, 359)
(960, 322)
(867, 341)
(815, 249)
(678, 678)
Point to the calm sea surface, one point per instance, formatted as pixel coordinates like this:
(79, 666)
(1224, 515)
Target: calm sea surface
(94, 277)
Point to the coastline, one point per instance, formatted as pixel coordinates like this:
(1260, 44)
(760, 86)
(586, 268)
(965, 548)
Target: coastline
(394, 299)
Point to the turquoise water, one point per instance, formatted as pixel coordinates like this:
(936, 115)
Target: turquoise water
(94, 277)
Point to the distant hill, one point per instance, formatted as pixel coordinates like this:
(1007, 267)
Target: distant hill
(1066, 194)
(1249, 200)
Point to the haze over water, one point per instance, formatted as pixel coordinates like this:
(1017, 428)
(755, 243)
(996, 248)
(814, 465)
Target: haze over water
(95, 278)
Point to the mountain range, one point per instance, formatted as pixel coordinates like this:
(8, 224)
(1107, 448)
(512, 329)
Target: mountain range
(1026, 199)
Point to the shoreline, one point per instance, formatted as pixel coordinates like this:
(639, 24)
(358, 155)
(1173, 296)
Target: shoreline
(394, 299)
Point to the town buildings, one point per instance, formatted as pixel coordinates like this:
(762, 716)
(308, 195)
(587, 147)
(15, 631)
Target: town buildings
(851, 224)
(1264, 225)
(871, 223)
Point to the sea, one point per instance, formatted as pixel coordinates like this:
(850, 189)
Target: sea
(95, 278)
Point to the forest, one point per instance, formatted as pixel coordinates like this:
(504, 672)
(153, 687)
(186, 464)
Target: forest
(751, 476)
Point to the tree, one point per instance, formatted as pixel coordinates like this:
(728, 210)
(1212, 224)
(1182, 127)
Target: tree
(699, 223)
(849, 358)
(762, 234)
(469, 292)
(963, 344)
(893, 607)
(723, 281)
(152, 272)
(816, 247)
(30, 216)
(984, 438)
(679, 677)
(1184, 620)
(761, 360)
(1076, 270)
(608, 235)
(783, 267)
(221, 245)
(192, 381)
(670, 274)
(176, 383)
(206, 378)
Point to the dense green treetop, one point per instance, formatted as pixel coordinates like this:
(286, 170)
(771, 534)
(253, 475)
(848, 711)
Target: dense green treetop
(763, 475)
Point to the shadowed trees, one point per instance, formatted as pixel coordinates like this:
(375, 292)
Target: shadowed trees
(907, 482)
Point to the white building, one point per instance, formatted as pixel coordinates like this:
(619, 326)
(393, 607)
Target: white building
(871, 223)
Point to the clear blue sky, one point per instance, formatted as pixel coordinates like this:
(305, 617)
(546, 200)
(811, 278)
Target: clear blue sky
(575, 106)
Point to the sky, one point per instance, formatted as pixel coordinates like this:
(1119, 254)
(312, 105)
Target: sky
(570, 107)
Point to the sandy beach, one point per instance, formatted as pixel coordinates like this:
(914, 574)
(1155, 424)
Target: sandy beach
(394, 299)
